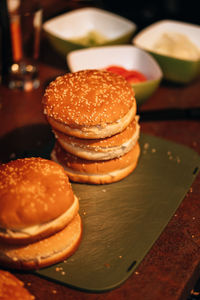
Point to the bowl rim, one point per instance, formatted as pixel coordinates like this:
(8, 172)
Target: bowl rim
(151, 27)
(48, 23)
(73, 53)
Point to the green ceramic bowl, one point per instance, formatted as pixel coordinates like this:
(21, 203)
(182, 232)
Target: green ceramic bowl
(87, 27)
(126, 56)
(145, 89)
(179, 70)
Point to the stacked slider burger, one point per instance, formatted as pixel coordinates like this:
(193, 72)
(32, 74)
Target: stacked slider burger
(93, 116)
(39, 220)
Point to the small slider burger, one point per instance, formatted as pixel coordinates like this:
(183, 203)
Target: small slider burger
(39, 220)
(93, 116)
(99, 171)
(13, 288)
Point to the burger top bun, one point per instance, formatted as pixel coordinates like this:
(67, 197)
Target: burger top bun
(89, 101)
(12, 288)
(32, 191)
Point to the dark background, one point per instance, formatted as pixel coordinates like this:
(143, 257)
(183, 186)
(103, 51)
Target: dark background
(144, 12)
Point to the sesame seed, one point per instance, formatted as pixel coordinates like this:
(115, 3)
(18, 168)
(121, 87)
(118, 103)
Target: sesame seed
(88, 97)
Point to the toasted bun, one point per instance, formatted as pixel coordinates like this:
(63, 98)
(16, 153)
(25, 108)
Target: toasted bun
(101, 149)
(89, 104)
(35, 194)
(96, 172)
(45, 252)
(13, 288)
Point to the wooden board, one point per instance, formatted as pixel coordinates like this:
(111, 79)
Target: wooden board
(121, 221)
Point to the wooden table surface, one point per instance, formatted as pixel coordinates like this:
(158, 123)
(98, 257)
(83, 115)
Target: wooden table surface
(171, 268)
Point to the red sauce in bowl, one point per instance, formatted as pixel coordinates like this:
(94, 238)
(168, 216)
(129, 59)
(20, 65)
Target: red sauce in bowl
(132, 76)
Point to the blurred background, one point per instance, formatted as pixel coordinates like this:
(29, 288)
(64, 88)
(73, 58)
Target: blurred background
(142, 12)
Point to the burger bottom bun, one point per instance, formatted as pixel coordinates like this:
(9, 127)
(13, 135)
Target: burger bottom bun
(97, 172)
(44, 252)
(12, 288)
(95, 132)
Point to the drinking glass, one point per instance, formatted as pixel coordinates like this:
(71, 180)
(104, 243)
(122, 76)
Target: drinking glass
(25, 28)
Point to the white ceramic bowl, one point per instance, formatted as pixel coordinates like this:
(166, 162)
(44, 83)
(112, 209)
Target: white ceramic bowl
(87, 27)
(126, 56)
(174, 69)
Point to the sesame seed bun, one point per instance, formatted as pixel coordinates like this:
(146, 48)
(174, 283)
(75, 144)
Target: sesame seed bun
(13, 288)
(89, 104)
(101, 149)
(45, 252)
(96, 172)
(36, 200)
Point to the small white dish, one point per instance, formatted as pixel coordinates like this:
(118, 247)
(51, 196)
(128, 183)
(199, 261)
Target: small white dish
(175, 68)
(87, 27)
(127, 56)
